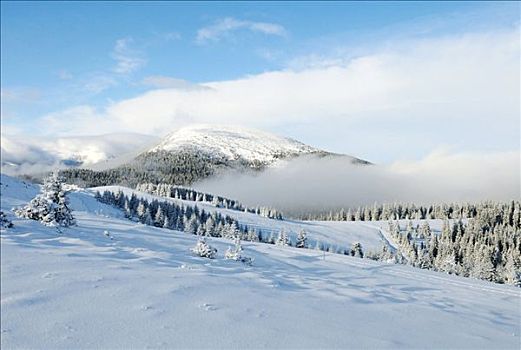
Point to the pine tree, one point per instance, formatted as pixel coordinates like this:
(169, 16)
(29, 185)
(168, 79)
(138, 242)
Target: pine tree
(356, 250)
(283, 239)
(159, 218)
(512, 274)
(204, 250)
(51, 206)
(190, 224)
(252, 235)
(236, 253)
(301, 239)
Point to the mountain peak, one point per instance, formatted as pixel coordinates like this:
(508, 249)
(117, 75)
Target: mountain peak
(233, 143)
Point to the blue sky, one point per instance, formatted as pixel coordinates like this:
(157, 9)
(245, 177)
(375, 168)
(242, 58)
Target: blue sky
(87, 57)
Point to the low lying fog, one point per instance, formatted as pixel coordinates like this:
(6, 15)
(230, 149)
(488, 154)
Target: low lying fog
(310, 183)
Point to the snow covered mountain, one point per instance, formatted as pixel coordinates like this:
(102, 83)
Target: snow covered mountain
(233, 143)
(196, 152)
(113, 283)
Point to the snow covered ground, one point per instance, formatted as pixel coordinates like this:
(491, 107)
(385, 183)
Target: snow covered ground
(140, 287)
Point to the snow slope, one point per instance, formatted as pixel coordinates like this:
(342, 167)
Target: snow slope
(140, 287)
(233, 143)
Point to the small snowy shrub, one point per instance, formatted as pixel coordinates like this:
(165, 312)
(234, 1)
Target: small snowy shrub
(51, 206)
(236, 253)
(204, 250)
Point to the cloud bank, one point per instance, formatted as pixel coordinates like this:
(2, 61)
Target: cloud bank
(309, 184)
(429, 92)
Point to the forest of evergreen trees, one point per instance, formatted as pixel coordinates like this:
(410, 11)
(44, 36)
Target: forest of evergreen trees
(485, 245)
(406, 211)
(172, 216)
(179, 192)
(182, 167)
(483, 242)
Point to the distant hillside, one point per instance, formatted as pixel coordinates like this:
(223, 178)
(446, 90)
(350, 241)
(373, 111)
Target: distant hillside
(197, 152)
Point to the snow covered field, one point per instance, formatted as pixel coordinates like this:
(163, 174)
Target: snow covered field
(140, 287)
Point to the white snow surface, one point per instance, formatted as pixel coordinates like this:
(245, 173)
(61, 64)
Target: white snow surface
(232, 142)
(112, 283)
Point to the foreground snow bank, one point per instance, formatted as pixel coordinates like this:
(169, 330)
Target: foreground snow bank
(141, 287)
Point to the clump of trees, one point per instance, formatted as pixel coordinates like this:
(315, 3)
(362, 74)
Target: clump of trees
(169, 215)
(486, 247)
(184, 193)
(51, 206)
(477, 240)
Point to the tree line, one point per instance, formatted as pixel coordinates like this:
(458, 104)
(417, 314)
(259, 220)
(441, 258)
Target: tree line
(184, 193)
(410, 211)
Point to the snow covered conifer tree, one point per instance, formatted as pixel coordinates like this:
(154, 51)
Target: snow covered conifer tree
(252, 235)
(140, 211)
(159, 218)
(203, 249)
(147, 218)
(271, 238)
(236, 253)
(167, 223)
(513, 271)
(283, 239)
(356, 250)
(190, 225)
(51, 206)
(301, 239)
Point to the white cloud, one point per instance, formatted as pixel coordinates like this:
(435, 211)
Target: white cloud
(99, 83)
(127, 59)
(225, 26)
(462, 91)
(164, 82)
(79, 120)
